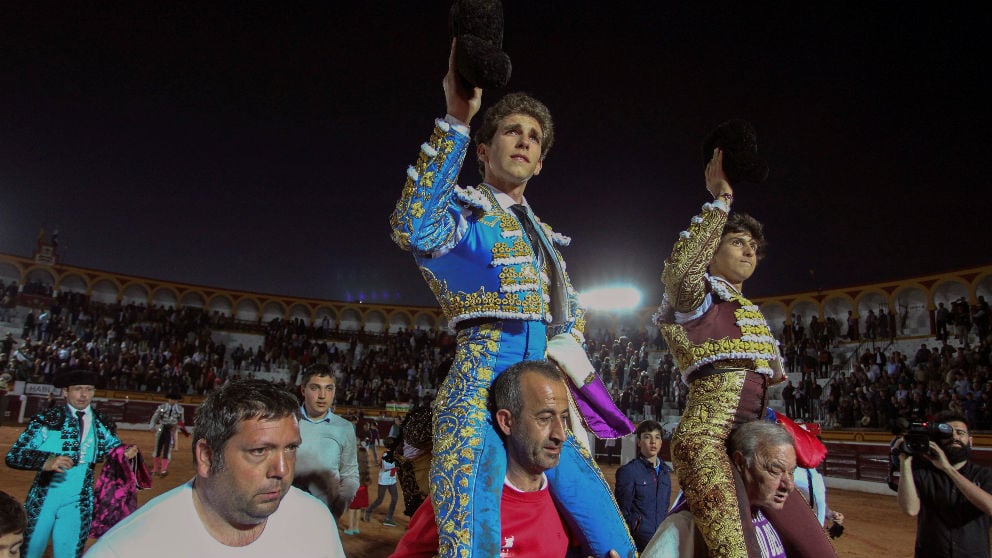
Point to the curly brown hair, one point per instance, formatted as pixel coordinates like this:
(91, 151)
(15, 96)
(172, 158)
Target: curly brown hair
(515, 103)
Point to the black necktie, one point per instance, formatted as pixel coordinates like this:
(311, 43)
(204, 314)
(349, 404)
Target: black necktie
(80, 415)
(532, 235)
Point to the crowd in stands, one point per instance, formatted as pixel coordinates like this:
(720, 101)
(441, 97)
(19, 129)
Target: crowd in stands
(885, 387)
(131, 347)
(638, 387)
(881, 387)
(158, 349)
(371, 371)
(162, 350)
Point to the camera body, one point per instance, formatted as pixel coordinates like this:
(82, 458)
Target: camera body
(917, 439)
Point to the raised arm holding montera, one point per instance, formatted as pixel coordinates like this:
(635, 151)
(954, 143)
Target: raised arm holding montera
(462, 103)
(716, 179)
(725, 350)
(477, 59)
(499, 276)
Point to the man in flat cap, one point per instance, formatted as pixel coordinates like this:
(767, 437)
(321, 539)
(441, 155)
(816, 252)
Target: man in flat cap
(63, 444)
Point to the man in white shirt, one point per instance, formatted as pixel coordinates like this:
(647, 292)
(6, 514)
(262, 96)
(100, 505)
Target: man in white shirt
(241, 501)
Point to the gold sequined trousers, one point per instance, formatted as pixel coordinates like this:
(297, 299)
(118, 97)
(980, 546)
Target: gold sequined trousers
(718, 401)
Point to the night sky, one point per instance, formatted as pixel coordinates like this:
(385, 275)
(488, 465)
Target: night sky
(263, 147)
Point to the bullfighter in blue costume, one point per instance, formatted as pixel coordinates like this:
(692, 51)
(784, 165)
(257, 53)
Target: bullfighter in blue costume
(60, 503)
(500, 280)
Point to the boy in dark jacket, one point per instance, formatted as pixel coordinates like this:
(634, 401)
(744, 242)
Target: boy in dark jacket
(644, 487)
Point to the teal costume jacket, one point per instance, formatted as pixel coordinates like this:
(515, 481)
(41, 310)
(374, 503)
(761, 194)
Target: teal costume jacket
(56, 432)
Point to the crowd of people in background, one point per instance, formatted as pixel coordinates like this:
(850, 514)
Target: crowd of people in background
(877, 389)
(163, 350)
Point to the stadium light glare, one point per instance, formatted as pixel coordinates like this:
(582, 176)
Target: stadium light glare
(611, 299)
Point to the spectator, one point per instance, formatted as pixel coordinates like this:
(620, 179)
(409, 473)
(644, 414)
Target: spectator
(241, 500)
(809, 483)
(789, 396)
(942, 317)
(371, 437)
(871, 325)
(643, 485)
(361, 499)
(387, 483)
(980, 316)
(327, 462)
(853, 329)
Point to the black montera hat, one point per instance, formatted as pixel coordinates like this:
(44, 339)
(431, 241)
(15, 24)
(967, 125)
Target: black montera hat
(174, 395)
(75, 378)
(479, 56)
(739, 143)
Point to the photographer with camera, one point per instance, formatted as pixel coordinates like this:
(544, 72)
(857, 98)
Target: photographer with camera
(950, 497)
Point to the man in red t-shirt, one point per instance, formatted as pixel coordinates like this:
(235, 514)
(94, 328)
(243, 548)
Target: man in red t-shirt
(529, 403)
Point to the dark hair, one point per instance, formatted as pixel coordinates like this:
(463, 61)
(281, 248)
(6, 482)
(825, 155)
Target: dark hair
(951, 416)
(648, 426)
(505, 392)
(317, 370)
(12, 517)
(744, 223)
(219, 417)
(515, 103)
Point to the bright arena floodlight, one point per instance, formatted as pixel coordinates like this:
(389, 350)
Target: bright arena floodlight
(611, 298)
